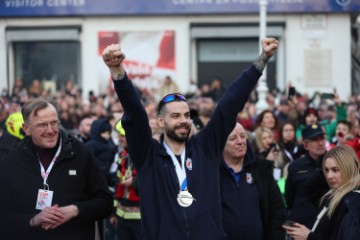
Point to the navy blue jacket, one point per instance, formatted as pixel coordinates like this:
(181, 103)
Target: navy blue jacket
(161, 215)
(253, 208)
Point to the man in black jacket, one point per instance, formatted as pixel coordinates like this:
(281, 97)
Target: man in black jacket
(52, 186)
(252, 206)
(306, 184)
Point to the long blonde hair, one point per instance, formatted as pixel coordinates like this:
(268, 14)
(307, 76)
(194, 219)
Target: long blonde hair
(348, 164)
(258, 135)
(279, 161)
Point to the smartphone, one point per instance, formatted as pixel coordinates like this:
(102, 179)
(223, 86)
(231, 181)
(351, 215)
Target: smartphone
(327, 96)
(292, 92)
(271, 147)
(289, 223)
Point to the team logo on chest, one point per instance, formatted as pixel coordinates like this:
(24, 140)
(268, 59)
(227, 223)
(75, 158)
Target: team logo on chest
(188, 163)
(249, 178)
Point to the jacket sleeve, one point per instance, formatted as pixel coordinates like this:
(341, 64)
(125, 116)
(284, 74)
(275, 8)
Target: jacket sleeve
(100, 203)
(313, 236)
(135, 121)
(277, 210)
(290, 188)
(10, 219)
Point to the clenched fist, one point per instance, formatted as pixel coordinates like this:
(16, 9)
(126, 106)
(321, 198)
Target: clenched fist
(113, 57)
(269, 46)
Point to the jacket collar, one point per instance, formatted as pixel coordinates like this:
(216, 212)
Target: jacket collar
(163, 152)
(66, 149)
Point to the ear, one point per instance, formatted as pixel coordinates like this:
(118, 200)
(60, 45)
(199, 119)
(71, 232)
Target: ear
(306, 145)
(26, 129)
(161, 121)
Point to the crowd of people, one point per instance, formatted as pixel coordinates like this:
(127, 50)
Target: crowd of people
(199, 165)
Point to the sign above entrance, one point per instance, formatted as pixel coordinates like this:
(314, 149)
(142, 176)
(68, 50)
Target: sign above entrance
(33, 8)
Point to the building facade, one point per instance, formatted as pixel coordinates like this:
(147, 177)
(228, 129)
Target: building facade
(56, 41)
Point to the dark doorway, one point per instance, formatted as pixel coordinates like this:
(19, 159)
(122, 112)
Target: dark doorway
(225, 59)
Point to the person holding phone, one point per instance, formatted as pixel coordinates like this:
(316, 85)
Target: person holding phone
(340, 209)
(267, 148)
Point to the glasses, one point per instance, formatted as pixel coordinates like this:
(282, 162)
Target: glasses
(171, 98)
(53, 124)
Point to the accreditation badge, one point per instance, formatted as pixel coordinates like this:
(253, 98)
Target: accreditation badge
(44, 199)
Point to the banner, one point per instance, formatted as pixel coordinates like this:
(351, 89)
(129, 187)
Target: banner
(21, 8)
(150, 56)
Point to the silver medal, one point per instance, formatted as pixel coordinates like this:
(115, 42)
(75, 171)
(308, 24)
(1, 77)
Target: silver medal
(185, 199)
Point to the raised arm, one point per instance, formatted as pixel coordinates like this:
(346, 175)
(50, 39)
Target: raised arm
(135, 119)
(234, 99)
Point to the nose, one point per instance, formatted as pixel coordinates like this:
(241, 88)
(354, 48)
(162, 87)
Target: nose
(239, 140)
(49, 128)
(185, 119)
(329, 175)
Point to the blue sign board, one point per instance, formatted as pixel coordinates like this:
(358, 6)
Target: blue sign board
(35, 8)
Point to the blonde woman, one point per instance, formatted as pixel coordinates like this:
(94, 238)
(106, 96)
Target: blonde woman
(267, 148)
(340, 214)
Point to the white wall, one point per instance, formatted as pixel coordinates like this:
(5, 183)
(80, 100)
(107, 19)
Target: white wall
(335, 37)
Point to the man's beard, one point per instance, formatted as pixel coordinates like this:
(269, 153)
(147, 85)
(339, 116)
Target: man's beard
(170, 132)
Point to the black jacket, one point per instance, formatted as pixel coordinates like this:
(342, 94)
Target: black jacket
(269, 198)
(84, 186)
(350, 226)
(162, 218)
(303, 207)
(344, 224)
(7, 142)
(103, 150)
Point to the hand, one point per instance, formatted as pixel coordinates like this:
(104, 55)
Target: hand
(292, 101)
(297, 231)
(127, 182)
(269, 46)
(113, 220)
(273, 154)
(113, 57)
(69, 212)
(337, 99)
(50, 215)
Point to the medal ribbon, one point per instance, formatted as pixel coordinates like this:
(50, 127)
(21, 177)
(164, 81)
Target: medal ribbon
(180, 170)
(45, 174)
